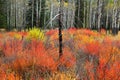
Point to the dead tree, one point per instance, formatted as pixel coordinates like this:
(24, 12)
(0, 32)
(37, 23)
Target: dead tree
(60, 28)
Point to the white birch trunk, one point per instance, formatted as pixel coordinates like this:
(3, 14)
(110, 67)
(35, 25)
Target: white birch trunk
(99, 14)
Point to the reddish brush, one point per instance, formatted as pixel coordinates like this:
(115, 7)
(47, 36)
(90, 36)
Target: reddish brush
(24, 34)
(51, 32)
(42, 58)
(12, 47)
(92, 48)
(11, 34)
(101, 62)
(1, 36)
(68, 59)
(72, 30)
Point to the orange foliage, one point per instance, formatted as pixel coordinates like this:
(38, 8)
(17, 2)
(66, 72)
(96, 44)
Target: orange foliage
(24, 34)
(92, 48)
(72, 30)
(11, 34)
(21, 54)
(107, 40)
(103, 31)
(68, 59)
(12, 47)
(109, 72)
(87, 32)
(41, 56)
(1, 44)
(51, 32)
(1, 36)
(9, 76)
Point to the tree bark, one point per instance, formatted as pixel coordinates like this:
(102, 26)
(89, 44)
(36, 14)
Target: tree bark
(60, 28)
(99, 14)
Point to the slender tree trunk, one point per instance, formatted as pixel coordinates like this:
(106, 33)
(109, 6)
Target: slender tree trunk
(118, 20)
(15, 13)
(107, 21)
(114, 20)
(118, 24)
(45, 15)
(51, 14)
(84, 21)
(99, 14)
(37, 13)
(94, 20)
(9, 16)
(68, 12)
(87, 15)
(73, 14)
(60, 28)
(32, 13)
(90, 15)
(78, 14)
(42, 14)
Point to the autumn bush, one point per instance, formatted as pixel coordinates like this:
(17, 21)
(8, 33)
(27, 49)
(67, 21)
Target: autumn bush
(36, 33)
(22, 56)
(34, 55)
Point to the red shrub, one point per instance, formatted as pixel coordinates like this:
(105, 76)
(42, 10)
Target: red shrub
(67, 59)
(40, 55)
(11, 47)
(87, 32)
(107, 40)
(1, 44)
(11, 34)
(72, 30)
(103, 31)
(1, 36)
(51, 32)
(23, 33)
(92, 48)
(109, 72)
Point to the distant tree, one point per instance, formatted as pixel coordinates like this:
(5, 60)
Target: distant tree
(79, 13)
(2, 14)
(114, 18)
(35, 13)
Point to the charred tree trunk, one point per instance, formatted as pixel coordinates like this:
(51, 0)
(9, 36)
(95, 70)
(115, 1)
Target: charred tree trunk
(60, 28)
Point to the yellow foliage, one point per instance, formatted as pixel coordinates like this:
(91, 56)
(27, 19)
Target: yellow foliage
(69, 75)
(36, 33)
(18, 36)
